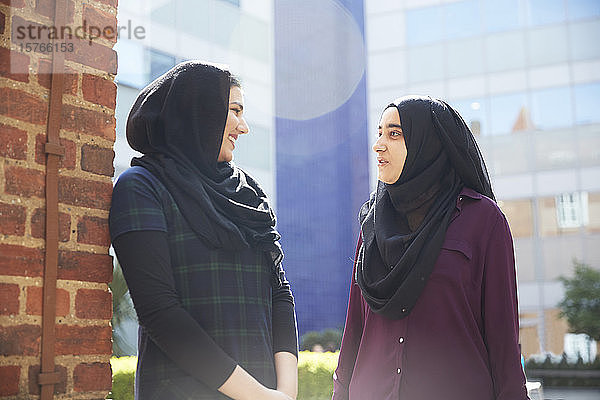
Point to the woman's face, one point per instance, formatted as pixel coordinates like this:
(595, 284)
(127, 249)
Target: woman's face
(235, 125)
(390, 147)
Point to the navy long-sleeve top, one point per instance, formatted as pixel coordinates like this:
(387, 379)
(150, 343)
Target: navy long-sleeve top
(460, 341)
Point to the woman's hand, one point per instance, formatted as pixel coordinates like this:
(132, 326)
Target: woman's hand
(276, 395)
(242, 386)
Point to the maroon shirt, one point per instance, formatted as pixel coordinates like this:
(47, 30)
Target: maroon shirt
(460, 341)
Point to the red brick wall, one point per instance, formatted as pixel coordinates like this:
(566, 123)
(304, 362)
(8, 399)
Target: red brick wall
(83, 301)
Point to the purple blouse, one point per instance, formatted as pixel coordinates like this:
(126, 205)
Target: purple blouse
(460, 341)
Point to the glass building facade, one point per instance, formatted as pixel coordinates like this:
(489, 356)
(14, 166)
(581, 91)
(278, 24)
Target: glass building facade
(525, 74)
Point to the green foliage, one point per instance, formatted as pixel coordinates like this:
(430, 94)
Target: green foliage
(329, 340)
(581, 305)
(123, 373)
(315, 376)
(124, 317)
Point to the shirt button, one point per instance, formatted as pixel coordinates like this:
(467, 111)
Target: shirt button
(398, 370)
(401, 340)
(404, 310)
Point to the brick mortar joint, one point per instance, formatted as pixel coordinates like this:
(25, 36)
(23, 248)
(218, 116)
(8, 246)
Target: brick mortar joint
(28, 127)
(29, 242)
(31, 87)
(84, 247)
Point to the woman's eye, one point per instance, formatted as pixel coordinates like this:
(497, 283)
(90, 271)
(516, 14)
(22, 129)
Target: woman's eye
(236, 111)
(395, 133)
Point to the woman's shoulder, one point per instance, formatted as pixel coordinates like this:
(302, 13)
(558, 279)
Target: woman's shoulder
(479, 204)
(137, 177)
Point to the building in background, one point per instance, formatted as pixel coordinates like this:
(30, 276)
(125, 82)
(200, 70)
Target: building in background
(525, 74)
(322, 150)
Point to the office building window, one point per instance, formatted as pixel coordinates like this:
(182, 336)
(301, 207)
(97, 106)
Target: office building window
(473, 112)
(593, 212)
(583, 38)
(572, 210)
(548, 45)
(159, 63)
(542, 12)
(505, 51)
(509, 113)
(424, 25)
(462, 19)
(232, 2)
(501, 15)
(551, 108)
(519, 214)
(580, 9)
(587, 103)
(465, 57)
(426, 63)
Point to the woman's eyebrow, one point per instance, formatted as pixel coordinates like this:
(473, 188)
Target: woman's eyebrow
(389, 126)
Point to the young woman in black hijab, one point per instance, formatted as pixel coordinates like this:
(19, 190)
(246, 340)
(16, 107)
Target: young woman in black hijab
(433, 303)
(196, 238)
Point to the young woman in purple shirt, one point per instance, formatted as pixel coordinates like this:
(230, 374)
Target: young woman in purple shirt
(433, 301)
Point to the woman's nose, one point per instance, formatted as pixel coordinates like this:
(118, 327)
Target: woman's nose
(378, 145)
(243, 127)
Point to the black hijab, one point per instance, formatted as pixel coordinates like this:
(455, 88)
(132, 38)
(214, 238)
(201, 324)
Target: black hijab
(177, 122)
(403, 225)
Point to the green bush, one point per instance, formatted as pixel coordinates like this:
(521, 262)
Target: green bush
(123, 377)
(315, 375)
(315, 372)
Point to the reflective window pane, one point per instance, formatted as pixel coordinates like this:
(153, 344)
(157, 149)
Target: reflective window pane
(584, 40)
(519, 214)
(425, 63)
(474, 113)
(556, 149)
(463, 19)
(551, 108)
(505, 51)
(587, 103)
(424, 25)
(543, 12)
(509, 113)
(465, 58)
(594, 212)
(548, 45)
(501, 15)
(579, 9)
(159, 63)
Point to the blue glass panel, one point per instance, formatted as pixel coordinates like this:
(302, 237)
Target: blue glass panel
(505, 111)
(552, 108)
(424, 25)
(579, 9)
(463, 19)
(587, 103)
(501, 15)
(543, 12)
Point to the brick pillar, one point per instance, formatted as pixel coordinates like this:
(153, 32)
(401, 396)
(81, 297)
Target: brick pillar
(83, 301)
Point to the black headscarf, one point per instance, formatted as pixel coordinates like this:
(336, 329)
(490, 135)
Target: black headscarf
(403, 225)
(177, 122)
